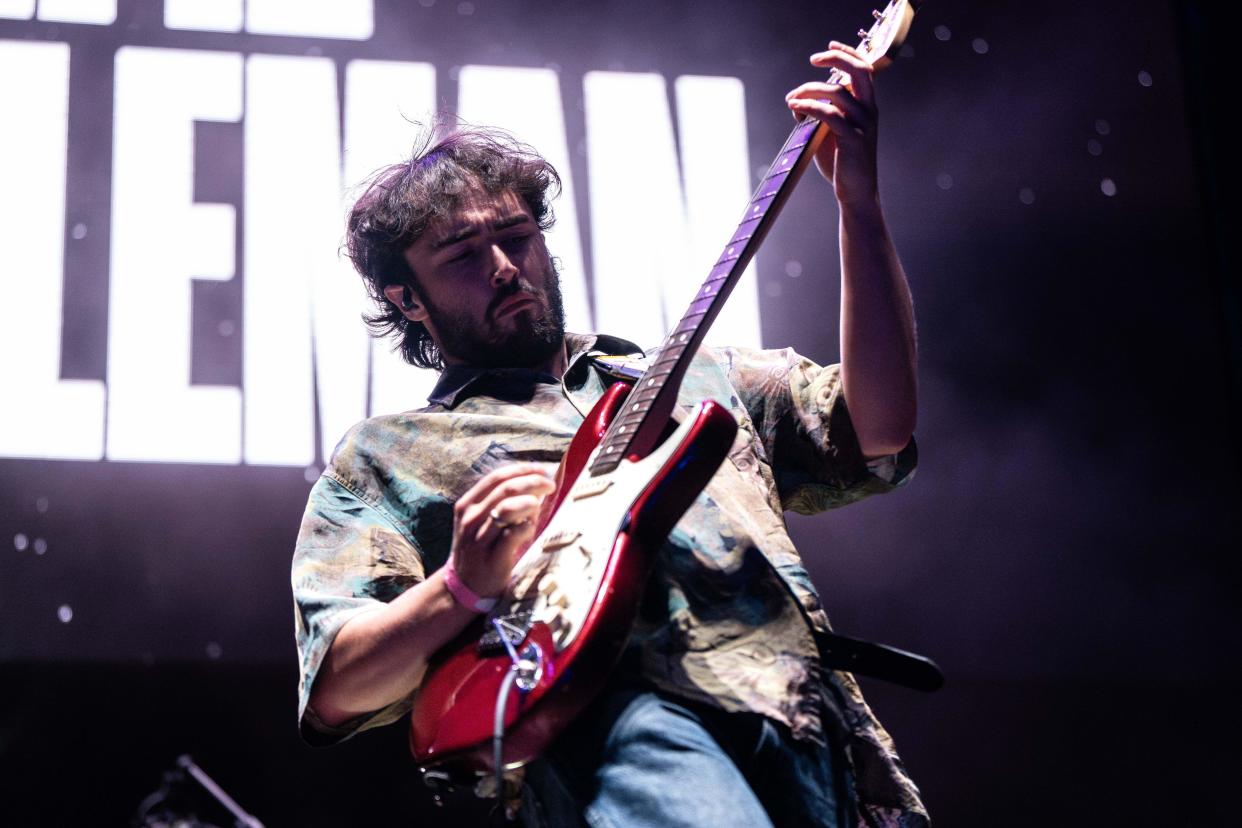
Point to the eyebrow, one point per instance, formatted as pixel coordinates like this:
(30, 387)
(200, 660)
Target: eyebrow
(467, 232)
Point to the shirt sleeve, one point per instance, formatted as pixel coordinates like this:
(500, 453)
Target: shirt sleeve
(802, 421)
(350, 558)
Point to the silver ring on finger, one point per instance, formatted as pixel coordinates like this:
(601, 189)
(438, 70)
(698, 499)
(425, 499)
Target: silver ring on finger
(498, 520)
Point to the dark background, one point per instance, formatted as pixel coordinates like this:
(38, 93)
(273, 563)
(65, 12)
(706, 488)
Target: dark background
(1065, 551)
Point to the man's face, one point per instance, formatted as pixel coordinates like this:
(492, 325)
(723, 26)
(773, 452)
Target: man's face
(485, 285)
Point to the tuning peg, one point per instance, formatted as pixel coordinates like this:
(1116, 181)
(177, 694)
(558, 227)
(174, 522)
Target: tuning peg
(877, 15)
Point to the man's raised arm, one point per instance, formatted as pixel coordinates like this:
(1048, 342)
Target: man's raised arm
(878, 350)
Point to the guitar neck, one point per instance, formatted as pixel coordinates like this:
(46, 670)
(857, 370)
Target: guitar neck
(651, 402)
(649, 406)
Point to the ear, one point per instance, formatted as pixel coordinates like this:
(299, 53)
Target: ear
(406, 302)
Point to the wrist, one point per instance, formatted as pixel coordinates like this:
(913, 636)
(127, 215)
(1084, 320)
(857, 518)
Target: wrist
(463, 594)
(862, 209)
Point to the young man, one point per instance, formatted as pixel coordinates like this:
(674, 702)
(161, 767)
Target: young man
(718, 714)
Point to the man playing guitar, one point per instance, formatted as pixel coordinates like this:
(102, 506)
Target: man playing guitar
(717, 714)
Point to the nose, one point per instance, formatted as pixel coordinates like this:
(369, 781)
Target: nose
(503, 268)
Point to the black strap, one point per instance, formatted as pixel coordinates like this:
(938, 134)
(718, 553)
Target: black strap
(880, 661)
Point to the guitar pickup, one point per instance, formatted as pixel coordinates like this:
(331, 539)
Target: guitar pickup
(591, 488)
(515, 626)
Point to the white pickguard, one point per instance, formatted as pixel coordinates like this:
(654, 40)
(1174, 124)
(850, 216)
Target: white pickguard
(558, 578)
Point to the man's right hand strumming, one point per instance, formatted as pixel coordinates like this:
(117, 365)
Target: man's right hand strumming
(379, 656)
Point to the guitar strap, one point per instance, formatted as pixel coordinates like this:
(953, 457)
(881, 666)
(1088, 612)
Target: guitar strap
(627, 368)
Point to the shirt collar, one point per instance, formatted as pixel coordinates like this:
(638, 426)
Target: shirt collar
(457, 382)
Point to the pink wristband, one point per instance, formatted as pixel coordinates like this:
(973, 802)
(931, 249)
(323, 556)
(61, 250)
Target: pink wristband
(463, 594)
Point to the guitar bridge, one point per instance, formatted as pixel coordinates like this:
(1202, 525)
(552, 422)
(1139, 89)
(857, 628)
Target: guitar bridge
(515, 625)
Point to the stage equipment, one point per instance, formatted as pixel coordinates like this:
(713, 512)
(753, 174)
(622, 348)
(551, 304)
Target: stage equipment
(185, 793)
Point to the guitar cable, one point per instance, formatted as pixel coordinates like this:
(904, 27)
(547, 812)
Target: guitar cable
(498, 728)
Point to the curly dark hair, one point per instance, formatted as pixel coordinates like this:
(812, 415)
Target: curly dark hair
(399, 203)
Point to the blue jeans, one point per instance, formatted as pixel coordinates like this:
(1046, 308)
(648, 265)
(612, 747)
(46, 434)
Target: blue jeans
(638, 757)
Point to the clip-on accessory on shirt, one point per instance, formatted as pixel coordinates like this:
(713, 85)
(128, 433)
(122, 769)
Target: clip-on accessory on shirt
(463, 594)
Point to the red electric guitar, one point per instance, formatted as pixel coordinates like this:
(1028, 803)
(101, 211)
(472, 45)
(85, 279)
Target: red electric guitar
(622, 486)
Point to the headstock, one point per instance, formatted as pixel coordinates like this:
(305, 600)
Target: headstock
(880, 43)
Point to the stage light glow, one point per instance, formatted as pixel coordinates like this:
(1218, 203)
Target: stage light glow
(711, 121)
(161, 240)
(98, 12)
(293, 227)
(656, 235)
(486, 95)
(385, 102)
(17, 9)
(43, 415)
(344, 19)
(638, 218)
(204, 15)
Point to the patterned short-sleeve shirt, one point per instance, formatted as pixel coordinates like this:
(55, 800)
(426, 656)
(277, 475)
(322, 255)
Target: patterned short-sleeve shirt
(730, 609)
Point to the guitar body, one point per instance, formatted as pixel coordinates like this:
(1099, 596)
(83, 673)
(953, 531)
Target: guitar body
(580, 581)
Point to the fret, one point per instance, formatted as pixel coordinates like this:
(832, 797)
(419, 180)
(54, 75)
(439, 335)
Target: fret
(804, 131)
(771, 191)
(653, 384)
(786, 161)
(760, 205)
(671, 353)
(689, 315)
(779, 171)
(660, 377)
(699, 307)
(661, 369)
(748, 225)
(628, 422)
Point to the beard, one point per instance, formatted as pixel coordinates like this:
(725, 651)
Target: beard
(528, 344)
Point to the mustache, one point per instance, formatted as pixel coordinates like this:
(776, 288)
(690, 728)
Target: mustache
(519, 285)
